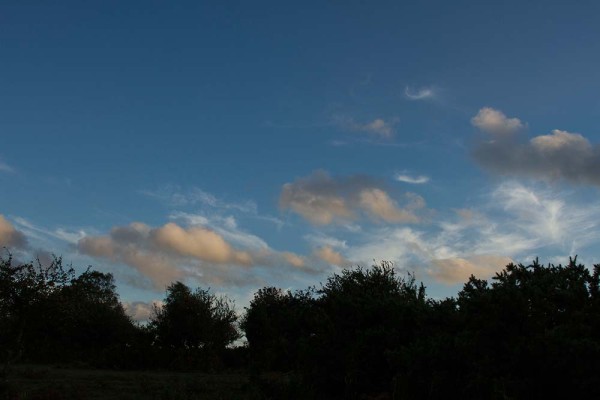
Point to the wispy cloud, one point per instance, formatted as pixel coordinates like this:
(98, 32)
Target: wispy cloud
(36, 231)
(407, 178)
(424, 93)
(176, 197)
(514, 221)
(323, 200)
(560, 155)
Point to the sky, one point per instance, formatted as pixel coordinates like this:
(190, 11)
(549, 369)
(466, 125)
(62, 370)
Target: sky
(236, 145)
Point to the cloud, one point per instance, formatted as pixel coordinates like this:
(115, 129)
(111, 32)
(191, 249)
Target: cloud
(514, 221)
(167, 253)
(34, 231)
(379, 205)
(419, 94)
(174, 196)
(294, 259)
(200, 243)
(554, 218)
(496, 123)
(560, 155)
(378, 127)
(331, 256)
(9, 236)
(458, 270)
(225, 226)
(417, 180)
(174, 252)
(323, 200)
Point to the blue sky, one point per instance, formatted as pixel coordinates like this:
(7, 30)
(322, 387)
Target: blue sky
(236, 145)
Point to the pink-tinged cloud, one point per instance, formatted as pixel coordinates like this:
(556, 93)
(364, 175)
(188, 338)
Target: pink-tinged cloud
(11, 237)
(323, 200)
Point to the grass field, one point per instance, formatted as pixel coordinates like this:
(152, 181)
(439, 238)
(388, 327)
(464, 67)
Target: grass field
(54, 383)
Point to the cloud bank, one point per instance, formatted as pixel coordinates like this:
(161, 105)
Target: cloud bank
(162, 255)
(561, 155)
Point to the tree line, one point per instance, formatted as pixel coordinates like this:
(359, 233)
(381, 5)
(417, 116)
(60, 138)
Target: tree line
(365, 333)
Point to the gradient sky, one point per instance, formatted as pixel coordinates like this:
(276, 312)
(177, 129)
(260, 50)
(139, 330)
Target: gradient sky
(234, 145)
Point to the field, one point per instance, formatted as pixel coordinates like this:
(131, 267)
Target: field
(55, 383)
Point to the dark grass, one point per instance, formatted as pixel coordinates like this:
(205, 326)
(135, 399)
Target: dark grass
(56, 383)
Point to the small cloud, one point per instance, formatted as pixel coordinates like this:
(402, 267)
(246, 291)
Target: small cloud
(495, 122)
(424, 93)
(416, 180)
(378, 127)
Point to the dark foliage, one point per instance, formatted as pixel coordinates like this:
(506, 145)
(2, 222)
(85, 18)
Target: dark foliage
(532, 331)
(49, 314)
(193, 328)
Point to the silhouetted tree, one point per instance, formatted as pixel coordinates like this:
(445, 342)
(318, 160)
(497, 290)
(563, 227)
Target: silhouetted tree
(23, 288)
(278, 325)
(368, 314)
(190, 321)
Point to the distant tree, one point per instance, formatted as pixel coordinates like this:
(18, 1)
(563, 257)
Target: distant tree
(194, 320)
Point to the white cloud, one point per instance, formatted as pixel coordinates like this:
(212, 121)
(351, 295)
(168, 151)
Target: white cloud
(496, 123)
(176, 197)
(39, 232)
(417, 180)
(419, 94)
(514, 222)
